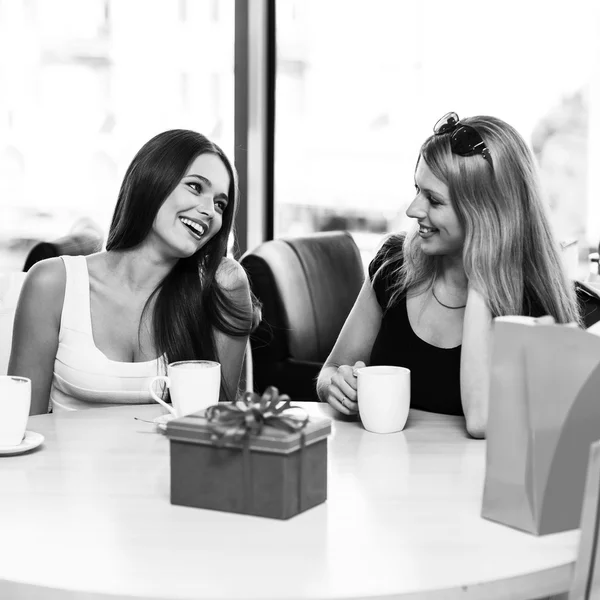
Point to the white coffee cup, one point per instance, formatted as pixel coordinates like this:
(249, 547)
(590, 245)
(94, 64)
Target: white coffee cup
(194, 385)
(383, 398)
(15, 402)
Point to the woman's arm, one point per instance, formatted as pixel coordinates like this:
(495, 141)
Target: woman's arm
(230, 349)
(36, 328)
(336, 381)
(475, 363)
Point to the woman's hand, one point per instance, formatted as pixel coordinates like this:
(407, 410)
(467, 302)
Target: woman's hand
(341, 394)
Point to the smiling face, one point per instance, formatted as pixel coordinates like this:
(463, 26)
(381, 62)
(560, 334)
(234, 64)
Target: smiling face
(192, 214)
(440, 230)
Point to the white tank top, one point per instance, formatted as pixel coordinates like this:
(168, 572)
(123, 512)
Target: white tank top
(83, 376)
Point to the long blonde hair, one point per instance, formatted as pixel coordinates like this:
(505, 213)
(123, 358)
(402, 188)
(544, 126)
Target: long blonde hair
(509, 253)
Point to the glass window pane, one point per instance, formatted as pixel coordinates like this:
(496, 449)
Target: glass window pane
(361, 84)
(80, 94)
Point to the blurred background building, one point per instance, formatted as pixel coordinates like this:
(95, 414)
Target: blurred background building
(359, 85)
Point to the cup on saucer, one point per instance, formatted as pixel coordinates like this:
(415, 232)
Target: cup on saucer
(15, 402)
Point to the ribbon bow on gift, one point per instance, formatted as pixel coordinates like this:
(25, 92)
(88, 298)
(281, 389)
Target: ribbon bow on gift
(248, 415)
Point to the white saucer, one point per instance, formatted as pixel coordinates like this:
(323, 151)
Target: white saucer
(30, 441)
(162, 420)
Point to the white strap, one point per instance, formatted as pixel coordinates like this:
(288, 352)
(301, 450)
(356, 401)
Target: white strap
(76, 305)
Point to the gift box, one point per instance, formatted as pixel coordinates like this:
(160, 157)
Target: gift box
(267, 471)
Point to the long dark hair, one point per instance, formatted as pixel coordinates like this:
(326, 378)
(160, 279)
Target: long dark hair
(189, 300)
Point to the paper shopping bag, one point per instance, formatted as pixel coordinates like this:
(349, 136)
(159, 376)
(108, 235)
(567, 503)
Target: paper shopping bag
(544, 413)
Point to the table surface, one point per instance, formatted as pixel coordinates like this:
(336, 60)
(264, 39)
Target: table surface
(87, 516)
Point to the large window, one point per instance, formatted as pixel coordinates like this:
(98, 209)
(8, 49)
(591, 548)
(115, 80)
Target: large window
(83, 84)
(361, 84)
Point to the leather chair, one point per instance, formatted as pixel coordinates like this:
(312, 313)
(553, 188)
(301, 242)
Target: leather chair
(307, 286)
(588, 300)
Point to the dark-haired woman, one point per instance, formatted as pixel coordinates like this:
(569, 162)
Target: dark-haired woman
(92, 331)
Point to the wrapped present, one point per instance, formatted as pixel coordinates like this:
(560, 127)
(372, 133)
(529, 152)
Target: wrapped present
(258, 456)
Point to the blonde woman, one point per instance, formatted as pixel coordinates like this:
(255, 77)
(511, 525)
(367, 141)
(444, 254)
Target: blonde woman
(482, 247)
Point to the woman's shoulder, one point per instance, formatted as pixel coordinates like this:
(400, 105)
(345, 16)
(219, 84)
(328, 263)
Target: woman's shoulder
(47, 276)
(390, 250)
(242, 315)
(394, 242)
(45, 282)
(231, 275)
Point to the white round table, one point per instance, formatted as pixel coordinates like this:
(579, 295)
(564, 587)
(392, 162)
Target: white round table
(87, 516)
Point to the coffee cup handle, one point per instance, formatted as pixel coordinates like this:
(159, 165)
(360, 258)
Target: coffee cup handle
(156, 397)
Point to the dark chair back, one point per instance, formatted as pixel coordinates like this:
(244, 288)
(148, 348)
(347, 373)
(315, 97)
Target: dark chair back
(307, 286)
(588, 300)
(75, 244)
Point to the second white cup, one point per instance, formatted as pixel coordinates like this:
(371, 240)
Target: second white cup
(383, 398)
(193, 385)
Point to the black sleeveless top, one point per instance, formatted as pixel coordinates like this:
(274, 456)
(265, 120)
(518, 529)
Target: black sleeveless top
(434, 372)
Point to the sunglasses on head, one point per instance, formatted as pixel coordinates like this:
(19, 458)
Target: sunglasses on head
(464, 139)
